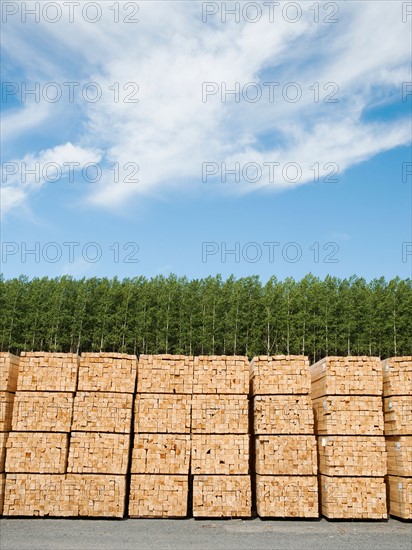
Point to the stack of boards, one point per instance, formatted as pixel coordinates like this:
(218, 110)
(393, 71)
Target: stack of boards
(106, 435)
(285, 462)
(68, 451)
(397, 398)
(347, 404)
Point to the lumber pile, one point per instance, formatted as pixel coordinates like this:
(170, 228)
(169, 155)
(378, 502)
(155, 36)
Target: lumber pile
(102, 412)
(107, 372)
(165, 374)
(285, 460)
(42, 411)
(9, 369)
(220, 437)
(98, 453)
(37, 452)
(65, 495)
(51, 372)
(397, 392)
(159, 485)
(349, 428)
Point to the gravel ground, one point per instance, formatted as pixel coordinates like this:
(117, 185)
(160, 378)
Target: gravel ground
(69, 534)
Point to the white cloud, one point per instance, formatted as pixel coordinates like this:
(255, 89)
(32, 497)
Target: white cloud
(170, 53)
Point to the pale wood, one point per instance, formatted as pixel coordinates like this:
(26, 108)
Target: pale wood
(399, 449)
(98, 453)
(165, 374)
(42, 371)
(9, 370)
(398, 415)
(102, 412)
(222, 496)
(283, 414)
(397, 376)
(281, 455)
(348, 415)
(42, 411)
(107, 372)
(161, 454)
(37, 453)
(220, 414)
(6, 410)
(287, 496)
(353, 497)
(162, 413)
(63, 495)
(2, 488)
(3, 442)
(158, 496)
(220, 454)
(221, 374)
(400, 496)
(279, 374)
(352, 375)
(352, 455)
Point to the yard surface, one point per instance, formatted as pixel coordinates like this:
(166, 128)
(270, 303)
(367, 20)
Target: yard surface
(254, 534)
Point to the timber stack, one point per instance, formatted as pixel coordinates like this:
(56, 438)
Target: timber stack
(347, 403)
(397, 397)
(221, 437)
(285, 461)
(159, 486)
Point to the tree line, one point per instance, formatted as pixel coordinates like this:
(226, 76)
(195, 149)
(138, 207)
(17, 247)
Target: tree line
(209, 316)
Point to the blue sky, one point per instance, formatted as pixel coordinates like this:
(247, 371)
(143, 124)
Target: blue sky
(171, 209)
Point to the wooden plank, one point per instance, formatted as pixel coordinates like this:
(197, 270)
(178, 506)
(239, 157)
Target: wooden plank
(107, 372)
(41, 371)
(162, 413)
(222, 496)
(280, 374)
(399, 449)
(165, 374)
(283, 414)
(42, 411)
(400, 496)
(102, 412)
(352, 455)
(98, 453)
(158, 496)
(353, 497)
(6, 410)
(281, 455)
(221, 374)
(287, 496)
(3, 442)
(220, 454)
(220, 414)
(37, 452)
(352, 375)
(348, 415)
(397, 376)
(2, 488)
(161, 454)
(9, 370)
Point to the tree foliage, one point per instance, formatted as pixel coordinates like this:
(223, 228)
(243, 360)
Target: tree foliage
(208, 316)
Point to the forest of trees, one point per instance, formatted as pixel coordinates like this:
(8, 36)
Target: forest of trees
(208, 316)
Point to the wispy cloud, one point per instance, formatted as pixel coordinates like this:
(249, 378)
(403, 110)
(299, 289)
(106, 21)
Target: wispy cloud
(170, 132)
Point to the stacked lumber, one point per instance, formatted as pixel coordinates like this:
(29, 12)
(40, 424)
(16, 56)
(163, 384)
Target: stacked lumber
(107, 372)
(158, 496)
(221, 496)
(285, 460)
(37, 446)
(221, 374)
(100, 439)
(51, 372)
(220, 437)
(347, 404)
(160, 465)
(9, 369)
(165, 374)
(397, 392)
(64, 495)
